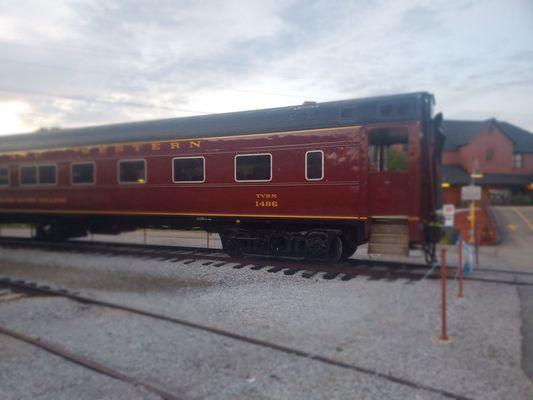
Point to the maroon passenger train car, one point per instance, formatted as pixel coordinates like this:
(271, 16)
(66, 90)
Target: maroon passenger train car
(310, 181)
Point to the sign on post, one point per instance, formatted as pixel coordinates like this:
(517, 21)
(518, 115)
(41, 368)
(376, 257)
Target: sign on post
(471, 193)
(448, 210)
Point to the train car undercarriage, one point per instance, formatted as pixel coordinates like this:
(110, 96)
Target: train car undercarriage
(331, 245)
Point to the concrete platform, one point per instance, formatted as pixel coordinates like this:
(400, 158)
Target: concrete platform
(516, 251)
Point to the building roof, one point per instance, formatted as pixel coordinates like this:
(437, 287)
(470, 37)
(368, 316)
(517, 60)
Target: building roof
(522, 139)
(403, 107)
(456, 175)
(459, 132)
(506, 179)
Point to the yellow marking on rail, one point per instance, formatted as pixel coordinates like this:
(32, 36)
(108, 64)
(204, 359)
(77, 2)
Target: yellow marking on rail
(523, 217)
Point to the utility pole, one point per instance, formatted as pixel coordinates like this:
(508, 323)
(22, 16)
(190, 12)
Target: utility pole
(473, 176)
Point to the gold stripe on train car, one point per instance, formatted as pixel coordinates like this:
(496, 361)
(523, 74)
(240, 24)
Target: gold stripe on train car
(91, 212)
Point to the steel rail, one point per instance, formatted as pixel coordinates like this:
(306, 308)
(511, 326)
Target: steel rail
(90, 363)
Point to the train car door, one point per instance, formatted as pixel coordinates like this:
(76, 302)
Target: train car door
(388, 172)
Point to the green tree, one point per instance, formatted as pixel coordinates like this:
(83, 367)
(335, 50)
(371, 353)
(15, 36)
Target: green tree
(397, 159)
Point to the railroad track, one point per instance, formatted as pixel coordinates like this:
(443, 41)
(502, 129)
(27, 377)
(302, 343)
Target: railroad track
(89, 363)
(353, 268)
(36, 289)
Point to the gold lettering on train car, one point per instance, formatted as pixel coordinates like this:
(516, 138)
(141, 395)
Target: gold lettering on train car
(136, 146)
(266, 195)
(156, 146)
(119, 148)
(266, 200)
(102, 150)
(85, 150)
(195, 143)
(266, 203)
(174, 145)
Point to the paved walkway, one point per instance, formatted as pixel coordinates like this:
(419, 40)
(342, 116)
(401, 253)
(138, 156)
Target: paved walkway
(516, 251)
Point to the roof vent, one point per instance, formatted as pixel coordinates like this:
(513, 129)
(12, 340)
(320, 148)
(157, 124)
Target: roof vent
(309, 103)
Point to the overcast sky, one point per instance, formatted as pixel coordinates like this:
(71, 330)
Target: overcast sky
(74, 63)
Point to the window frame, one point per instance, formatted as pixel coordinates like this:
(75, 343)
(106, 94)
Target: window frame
(21, 167)
(124, 160)
(323, 172)
(489, 154)
(381, 148)
(249, 155)
(38, 174)
(82, 183)
(518, 156)
(8, 184)
(188, 157)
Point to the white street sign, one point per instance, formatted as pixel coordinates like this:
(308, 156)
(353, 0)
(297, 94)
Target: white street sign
(448, 210)
(471, 193)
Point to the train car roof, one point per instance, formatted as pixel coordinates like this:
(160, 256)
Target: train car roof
(362, 111)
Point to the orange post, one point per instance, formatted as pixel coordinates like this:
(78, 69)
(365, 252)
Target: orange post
(460, 269)
(443, 335)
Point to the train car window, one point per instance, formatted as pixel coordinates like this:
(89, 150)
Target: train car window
(388, 150)
(4, 176)
(253, 167)
(132, 171)
(188, 169)
(47, 174)
(28, 175)
(314, 165)
(82, 173)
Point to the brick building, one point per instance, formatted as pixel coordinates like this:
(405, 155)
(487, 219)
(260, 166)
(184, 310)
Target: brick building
(503, 153)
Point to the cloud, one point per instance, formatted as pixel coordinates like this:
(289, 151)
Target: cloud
(91, 62)
(11, 115)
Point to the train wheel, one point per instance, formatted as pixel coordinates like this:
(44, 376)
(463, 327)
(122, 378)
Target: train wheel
(42, 232)
(317, 245)
(230, 246)
(347, 251)
(336, 250)
(348, 246)
(278, 246)
(49, 232)
(321, 247)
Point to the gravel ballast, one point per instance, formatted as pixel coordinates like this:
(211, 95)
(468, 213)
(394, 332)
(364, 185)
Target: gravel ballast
(389, 327)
